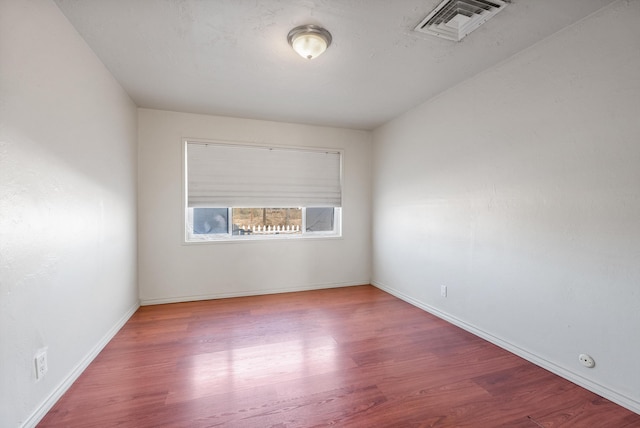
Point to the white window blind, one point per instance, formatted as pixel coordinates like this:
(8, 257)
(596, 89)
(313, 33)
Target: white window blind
(234, 175)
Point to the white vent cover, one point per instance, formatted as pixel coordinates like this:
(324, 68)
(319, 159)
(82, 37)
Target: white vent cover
(454, 19)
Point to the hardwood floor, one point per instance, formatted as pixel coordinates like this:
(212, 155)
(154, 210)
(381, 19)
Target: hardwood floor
(350, 357)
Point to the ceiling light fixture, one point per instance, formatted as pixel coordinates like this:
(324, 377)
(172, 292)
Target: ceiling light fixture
(309, 41)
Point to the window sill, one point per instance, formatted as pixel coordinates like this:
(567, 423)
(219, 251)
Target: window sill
(262, 238)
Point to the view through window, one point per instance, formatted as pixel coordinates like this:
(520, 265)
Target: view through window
(262, 221)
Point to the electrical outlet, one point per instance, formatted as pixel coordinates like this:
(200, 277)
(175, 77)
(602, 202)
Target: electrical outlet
(587, 360)
(443, 290)
(41, 364)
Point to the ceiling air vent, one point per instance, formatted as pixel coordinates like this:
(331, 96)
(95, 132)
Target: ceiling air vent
(454, 19)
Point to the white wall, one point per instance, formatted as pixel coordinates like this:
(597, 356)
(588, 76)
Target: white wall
(520, 190)
(169, 270)
(67, 206)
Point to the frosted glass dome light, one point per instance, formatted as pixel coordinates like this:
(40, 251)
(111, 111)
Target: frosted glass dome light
(309, 41)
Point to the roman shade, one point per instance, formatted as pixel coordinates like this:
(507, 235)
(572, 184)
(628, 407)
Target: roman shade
(239, 175)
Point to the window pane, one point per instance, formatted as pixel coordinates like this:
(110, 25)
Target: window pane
(210, 221)
(264, 221)
(320, 219)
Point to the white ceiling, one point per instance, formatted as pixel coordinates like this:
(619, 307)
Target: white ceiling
(231, 57)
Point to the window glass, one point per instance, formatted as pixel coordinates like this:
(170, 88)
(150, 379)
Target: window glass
(264, 221)
(212, 224)
(207, 221)
(320, 219)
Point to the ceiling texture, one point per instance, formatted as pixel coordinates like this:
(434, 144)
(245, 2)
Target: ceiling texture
(231, 57)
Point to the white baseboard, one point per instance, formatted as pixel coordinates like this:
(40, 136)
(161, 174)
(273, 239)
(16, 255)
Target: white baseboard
(212, 296)
(66, 383)
(571, 376)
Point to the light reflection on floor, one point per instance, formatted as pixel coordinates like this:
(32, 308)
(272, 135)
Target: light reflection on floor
(219, 372)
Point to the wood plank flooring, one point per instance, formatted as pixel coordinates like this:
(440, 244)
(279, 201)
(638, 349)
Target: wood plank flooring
(349, 357)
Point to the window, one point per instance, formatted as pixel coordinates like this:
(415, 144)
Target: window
(241, 191)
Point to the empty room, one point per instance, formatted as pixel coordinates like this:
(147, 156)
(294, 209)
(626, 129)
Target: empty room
(294, 213)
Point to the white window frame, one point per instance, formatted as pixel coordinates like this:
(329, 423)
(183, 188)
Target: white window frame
(192, 238)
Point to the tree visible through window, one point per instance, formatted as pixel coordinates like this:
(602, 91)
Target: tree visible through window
(252, 220)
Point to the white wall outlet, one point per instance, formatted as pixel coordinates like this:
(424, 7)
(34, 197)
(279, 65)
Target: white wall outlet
(443, 290)
(587, 360)
(41, 364)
